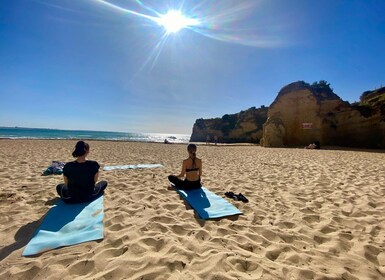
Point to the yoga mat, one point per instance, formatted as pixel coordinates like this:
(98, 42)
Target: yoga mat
(68, 224)
(207, 204)
(122, 167)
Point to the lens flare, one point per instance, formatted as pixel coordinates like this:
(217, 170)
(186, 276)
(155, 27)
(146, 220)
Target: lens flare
(229, 21)
(174, 21)
(225, 20)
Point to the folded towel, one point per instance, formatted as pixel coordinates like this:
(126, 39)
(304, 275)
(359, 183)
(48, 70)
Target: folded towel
(122, 167)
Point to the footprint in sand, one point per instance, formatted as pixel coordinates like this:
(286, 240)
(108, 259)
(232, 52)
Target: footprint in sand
(321, 239)
(381, 259)
(328, 229)
(375, 231)
(30, 271)
(244, 265)
(273, 254)
(371, 252)
(111, 253)
(156, 244)
(345, 236)
(116, 227)
(289, 224)
(296, 273)
(270, 235)
(307, 210)
(311, 219)
(82, 267)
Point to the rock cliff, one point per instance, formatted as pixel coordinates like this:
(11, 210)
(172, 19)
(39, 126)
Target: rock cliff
(243, 127)
(303, 113)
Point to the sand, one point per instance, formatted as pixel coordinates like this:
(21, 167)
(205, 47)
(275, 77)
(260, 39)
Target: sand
(313, 214)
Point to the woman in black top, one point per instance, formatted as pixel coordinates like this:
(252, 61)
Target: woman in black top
(192, 168)
(80, 177)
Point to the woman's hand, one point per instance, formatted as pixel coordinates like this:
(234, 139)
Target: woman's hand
(96, 177)
(65, 180)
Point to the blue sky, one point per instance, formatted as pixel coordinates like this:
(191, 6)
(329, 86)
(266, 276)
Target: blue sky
(88, 64)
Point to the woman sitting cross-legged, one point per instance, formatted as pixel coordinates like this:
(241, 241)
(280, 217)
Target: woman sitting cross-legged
(80, 177)
(192, 168)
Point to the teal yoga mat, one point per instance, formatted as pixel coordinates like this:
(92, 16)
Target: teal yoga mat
(207, 204)
(132, 166)
(68, 224)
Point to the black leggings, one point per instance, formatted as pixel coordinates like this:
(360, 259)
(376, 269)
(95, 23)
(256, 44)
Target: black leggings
(184, 184)
(62, 191)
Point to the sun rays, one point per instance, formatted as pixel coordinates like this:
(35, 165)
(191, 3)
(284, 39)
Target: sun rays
(225, 21)
(174, 21)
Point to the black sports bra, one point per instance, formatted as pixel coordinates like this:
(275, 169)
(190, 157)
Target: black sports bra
(191, 169)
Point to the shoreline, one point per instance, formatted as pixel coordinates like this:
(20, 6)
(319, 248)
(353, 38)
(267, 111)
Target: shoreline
(324, 148)
(87, 139)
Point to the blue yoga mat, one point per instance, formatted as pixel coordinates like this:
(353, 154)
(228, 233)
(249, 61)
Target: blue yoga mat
(207, 204)
(132, 166)
(68, 224)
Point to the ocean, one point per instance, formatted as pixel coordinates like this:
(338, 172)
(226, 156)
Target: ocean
(45, 133)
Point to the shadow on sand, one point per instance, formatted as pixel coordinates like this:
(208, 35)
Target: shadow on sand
(24, 234)
(198, 201)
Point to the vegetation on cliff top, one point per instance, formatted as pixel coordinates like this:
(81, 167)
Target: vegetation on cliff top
(320, 89)
(371, 101)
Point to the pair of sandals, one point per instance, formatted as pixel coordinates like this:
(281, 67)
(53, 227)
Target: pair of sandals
(234, 196)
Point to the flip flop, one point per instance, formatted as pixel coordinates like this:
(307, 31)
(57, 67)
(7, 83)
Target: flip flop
(239, 197)
(242, 198)
(230, 194)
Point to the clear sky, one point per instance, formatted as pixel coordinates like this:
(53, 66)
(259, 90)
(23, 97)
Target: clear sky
(112, 65)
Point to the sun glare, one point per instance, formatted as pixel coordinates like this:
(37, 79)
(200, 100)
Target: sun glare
(174, 21)
(227, 24)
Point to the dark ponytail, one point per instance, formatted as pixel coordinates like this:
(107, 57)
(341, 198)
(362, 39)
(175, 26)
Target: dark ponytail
(192, 148)
(80, 149)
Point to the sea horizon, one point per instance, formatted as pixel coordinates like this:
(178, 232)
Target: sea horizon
(17, 132)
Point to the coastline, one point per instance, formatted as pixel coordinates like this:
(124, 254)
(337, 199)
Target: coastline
(58, 134)
(219, 144)
(311, 214)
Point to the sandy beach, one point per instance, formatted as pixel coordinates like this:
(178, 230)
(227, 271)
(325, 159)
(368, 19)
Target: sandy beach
(312, 214)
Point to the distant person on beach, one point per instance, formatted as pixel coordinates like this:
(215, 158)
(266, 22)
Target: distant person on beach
(215, 139)
(191, 170)
(314, 145)
(80, 177)
(207, 139)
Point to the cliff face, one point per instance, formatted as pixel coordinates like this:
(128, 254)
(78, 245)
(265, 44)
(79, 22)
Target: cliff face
(243, 127)
(302, 114)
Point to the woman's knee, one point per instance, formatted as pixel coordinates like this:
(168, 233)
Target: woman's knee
(103, 184)
(59, 189)
(99, 188)
(173, 179)
(62, 191)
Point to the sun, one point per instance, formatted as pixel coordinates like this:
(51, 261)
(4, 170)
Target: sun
(174, 21)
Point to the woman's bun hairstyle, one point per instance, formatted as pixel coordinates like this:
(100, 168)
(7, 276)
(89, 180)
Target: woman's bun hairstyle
(192, 148)
(80, 149)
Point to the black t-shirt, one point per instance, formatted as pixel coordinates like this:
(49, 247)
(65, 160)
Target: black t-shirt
(81, 177)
